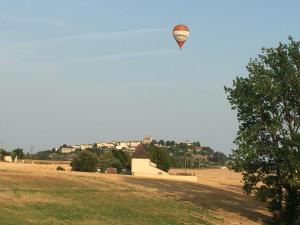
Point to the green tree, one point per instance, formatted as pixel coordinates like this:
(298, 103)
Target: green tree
(97, 150)
(175, 162)
(124, 159)
(170, 143)
(268, 110)
(17, 153)
(85, 161)
(116, 163)
(207, 150)
(160, 157)
(196, 144)
(161, 142)
(2, 154)
(153, 142)
(115, 158)
(42, 155)
(218, 157)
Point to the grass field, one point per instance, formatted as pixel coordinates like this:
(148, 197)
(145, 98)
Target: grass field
(38, 194)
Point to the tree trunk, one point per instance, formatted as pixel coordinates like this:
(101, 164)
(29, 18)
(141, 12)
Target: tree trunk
(290, 211)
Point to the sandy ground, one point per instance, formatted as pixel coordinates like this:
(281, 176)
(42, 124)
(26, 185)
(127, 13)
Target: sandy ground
(218, 190)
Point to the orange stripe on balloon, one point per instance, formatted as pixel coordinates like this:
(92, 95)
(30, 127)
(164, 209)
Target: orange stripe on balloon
(181, 27)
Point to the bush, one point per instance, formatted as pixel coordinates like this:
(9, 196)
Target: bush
(85, 161)
(60, 168)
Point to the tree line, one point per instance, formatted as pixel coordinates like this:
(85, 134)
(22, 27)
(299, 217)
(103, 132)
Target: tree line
(165, 154)
(15, 154)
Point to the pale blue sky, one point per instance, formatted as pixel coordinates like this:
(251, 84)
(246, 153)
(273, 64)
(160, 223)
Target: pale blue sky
(75, 71)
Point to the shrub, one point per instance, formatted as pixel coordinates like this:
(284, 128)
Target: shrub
(60, 168)
(85, 161)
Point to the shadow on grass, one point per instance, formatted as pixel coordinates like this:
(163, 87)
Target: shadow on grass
(208, 197)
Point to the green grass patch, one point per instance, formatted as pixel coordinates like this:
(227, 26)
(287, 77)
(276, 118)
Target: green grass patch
(81, 200)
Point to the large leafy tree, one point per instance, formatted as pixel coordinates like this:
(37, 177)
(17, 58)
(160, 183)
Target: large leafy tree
(267, 102)
(160, 157)
(124, 159)
(85, 162)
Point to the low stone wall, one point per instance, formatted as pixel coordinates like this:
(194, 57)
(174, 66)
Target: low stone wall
(167, 177)
(46, 162)
(141, 167)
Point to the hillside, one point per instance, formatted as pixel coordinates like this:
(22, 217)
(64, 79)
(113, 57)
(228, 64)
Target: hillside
(38, 194)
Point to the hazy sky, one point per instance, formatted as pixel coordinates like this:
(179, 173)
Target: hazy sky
(76, 71)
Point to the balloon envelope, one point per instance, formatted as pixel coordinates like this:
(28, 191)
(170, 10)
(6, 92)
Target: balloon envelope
(181, 33)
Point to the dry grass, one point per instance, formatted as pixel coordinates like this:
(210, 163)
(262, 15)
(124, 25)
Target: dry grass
(90, 198)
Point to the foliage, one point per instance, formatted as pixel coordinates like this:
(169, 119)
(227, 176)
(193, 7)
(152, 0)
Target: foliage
(124, 159)
(17, 153)
(153, 142)
(207, 150)
(268, 111)
(161, 143)
(175, 162)
(160, 157)
(3, 153)
(170, 143)
(196, 144)
(219, 157)
(86, 161)
(178, 150)
(97, 150)
(115, 158)
(42, 155)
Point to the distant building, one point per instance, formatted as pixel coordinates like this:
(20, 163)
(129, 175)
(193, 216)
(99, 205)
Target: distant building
(122, 145)
(147, 140)
(67, 150)
(200, 156)
(126, 145)
(106, 144)
(134, 144)
(130, 145)
(86, 146)
(187, 142)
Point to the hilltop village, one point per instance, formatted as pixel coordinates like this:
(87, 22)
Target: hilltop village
(129, 146)
(177, 154)
(181, 154)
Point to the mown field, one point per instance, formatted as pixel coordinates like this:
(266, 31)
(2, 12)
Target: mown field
(38, 194)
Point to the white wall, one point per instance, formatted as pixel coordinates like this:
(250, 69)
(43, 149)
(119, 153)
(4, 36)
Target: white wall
(9, 159)
(145, 166)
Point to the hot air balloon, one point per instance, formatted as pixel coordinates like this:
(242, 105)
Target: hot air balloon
(181, 33)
